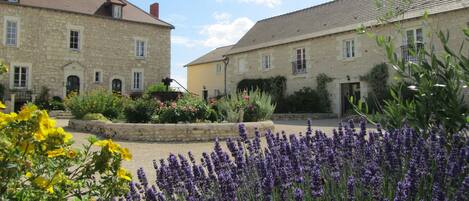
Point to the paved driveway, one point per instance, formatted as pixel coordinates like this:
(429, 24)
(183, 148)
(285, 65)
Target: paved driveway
(145, 153)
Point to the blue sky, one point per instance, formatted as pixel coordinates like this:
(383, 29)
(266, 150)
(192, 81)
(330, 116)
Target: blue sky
(203, 25)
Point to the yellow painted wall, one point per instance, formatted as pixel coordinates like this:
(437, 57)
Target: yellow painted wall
(206, 75)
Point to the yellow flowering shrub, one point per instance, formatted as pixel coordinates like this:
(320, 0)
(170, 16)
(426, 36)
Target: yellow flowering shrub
(38, 162)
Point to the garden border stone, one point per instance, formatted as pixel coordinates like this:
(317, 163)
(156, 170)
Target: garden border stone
(198, 132)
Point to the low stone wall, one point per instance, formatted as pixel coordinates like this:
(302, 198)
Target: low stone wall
(303, 116)
(166, 132)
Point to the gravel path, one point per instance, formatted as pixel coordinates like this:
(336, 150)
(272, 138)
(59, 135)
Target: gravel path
(145, 153)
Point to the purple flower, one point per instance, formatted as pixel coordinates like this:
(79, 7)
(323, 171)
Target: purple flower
(351, 188)
(299, 195)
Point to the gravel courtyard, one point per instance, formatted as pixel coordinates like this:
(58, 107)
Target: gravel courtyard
(144, 153)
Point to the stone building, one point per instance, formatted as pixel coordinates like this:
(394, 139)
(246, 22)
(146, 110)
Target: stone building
(77, 46)
(207, 73)
(324, 39)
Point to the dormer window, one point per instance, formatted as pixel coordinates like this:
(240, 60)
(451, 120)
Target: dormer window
(117, 11)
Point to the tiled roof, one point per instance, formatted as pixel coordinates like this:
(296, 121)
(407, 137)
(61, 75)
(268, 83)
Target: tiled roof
(213, 56)
(328, 16)
(130, 12)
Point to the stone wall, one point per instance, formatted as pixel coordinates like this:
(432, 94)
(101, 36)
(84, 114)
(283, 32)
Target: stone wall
(167, 132)
(107, 45)
(324, 55)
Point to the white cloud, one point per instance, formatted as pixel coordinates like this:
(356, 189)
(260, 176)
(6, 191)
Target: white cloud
(181, 40)
(225, 31)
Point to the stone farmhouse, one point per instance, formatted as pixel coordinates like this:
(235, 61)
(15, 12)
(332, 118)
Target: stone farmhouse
(324, 39)
(78, 46)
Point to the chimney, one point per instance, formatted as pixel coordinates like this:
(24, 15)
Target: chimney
(155, 10)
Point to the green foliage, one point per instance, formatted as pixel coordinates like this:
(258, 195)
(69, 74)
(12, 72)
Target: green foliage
(159, 87)
(437, 80)
(246, 107)
(188, 109)
(305, 100)
(377, 79)
(95, 117)
(39, 162)
(56, 103)
(2, 91)
(99, 101)
(321, 89)
(141, 110)
(275, 86)
(43, 101)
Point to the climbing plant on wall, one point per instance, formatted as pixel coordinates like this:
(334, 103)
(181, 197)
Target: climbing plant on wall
(321, 89)
(275, 86)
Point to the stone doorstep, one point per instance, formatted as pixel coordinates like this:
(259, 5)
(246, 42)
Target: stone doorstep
(167, 132)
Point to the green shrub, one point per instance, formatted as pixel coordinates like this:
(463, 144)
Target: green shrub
(141, 110)
(106, 103)
(246, 107)
(305, 100)
(95, 117)
(56, 103)
(323, 94)
(187, 109)
(42, 100)
(275, 86)
(159, 87)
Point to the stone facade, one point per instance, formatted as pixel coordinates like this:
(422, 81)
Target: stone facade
(324, 54)
(168, 132)
(107, 46)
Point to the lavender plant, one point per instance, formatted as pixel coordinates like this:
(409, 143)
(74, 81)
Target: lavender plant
(351, 164)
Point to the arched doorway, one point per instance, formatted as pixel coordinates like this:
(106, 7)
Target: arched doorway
(116, 86)
(73, 84)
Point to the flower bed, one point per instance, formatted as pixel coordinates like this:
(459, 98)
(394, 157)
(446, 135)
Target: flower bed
(349, 165)
(166, 132)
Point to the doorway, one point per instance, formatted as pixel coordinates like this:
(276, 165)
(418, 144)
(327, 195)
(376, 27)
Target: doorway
(349, 90)
(116, 86)
(73, 85)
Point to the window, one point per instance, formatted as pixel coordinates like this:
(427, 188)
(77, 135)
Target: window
(137, 80)
(13, 1)
(117, 11)
(11, 32)
(20, 76)
(265, 62)
(349, 48)
(98, 76)
(242, 65)
(74, 40)
(219, 68)
(299, 64)
(140, 48)
(413, 42)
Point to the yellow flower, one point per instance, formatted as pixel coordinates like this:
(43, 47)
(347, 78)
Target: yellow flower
(28, 175)
(2, 106)
(27, 112)
(44, 184)
(125, 154)
(111, 146)
(124, 174)
(56, 153)
(71, 154)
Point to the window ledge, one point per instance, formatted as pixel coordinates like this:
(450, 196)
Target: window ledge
(348, 59)
(140, 58)
(75, 50)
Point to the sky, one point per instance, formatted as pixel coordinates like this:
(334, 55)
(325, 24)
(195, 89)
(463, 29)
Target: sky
(203, 25)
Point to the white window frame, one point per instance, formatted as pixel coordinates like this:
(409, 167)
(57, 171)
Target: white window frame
(141, 80)
(415, 38)
(218, 68)
(7, 19)
(100, 80)
(117, 11)
(137, 49)
(28, 67)
(266, 61)
(81, 36)
(349, 49)
(242, 65)
(304, 61)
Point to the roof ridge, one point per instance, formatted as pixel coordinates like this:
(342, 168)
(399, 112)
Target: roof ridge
(301, 10)
(128, 2)
(225, 46)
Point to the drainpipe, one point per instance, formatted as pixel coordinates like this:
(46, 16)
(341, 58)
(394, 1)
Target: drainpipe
(226, 61)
